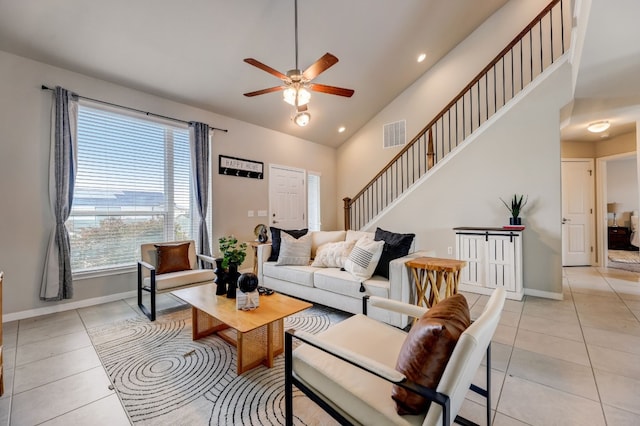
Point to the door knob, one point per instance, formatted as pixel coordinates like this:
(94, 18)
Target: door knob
(565, 220)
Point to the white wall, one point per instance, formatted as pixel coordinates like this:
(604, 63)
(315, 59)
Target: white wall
(362, 156)
(518, 153)
(25, 220)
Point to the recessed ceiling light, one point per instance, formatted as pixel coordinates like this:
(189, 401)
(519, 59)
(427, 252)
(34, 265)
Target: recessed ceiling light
(421, 57)
(598, 126)
(341, 129)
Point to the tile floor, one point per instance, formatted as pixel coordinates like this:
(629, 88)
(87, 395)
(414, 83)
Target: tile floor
(570, 362)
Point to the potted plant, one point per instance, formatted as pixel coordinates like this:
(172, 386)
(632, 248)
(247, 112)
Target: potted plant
(233, 254)
(232, 251)
(517, 204)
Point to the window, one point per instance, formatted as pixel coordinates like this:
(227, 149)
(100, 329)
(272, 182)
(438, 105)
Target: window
(313, 200)
(133, 185)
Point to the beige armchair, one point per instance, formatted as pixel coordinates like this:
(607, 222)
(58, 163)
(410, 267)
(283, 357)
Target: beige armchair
(349, 369)
(168, 266)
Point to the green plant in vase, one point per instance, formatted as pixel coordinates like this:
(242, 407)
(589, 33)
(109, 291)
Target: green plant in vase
(515, 208)
(233, 254)
(232, 251)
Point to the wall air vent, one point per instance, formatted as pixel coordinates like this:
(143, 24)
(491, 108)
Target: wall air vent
(394, 134)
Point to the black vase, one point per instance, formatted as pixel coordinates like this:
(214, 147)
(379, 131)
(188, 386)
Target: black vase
(232, 280)
(515, 221)
(221, 276)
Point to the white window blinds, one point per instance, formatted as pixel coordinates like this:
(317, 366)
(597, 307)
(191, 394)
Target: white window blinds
(132, 186)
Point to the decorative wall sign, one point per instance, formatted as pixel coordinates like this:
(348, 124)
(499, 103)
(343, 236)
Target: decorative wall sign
(233, 166)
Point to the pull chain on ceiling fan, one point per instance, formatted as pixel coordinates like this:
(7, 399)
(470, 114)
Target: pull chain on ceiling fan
(296, 85)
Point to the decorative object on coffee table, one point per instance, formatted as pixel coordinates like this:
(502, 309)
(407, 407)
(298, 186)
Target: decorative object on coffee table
(232, 280)
(517, 204)
(221, 277)
(248, 297)
(233, 254)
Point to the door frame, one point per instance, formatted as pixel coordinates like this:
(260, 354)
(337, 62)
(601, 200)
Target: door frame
(601, 201)
(594, 206)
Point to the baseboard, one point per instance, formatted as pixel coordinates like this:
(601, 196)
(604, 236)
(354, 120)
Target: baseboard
(543, 294)
(61, 307)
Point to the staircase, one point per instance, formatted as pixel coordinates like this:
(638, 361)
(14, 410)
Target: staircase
(529, 54)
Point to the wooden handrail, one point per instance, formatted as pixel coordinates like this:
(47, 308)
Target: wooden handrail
(400, 172)
(460, 95)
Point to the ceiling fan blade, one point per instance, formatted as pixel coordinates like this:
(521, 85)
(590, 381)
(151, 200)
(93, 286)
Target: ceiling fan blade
(266, 68)
(319, 66)
(263, 91)
(332, 90)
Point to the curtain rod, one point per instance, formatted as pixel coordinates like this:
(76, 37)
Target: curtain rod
(137, 110)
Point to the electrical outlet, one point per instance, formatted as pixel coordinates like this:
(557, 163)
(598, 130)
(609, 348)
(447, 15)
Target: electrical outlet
(449, 250)
(250, 213)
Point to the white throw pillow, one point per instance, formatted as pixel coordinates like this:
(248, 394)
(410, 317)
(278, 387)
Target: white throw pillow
(364, 258)
(319, 238)
(294, 251)
(333, 255)
(356, 235)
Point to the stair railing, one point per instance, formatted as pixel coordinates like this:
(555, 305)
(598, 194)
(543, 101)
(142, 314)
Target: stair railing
(535, 48)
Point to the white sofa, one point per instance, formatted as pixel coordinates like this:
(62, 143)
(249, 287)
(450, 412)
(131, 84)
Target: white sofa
(338, 288)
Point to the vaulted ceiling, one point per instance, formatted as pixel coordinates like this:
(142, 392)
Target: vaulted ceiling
(193, 51)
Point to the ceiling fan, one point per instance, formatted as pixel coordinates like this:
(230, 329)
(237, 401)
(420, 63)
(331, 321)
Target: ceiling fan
(296, 84)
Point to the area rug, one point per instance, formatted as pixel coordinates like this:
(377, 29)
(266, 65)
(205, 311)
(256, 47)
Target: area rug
(165, 378)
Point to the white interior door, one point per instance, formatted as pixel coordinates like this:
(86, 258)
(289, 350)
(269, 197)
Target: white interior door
(287, 197)
(577, 212)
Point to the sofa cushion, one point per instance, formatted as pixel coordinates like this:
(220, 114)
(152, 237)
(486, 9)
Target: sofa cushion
(302, 275)
(427, 348)
(363, 258)
(182, 278)
(342, 282)
(294, 251)
(356, 235)
(333, 255)
(319, 238)
(172, 257)
(395, 246)
(275, 240)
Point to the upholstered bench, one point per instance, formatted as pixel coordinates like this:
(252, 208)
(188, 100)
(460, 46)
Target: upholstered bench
(168, 266)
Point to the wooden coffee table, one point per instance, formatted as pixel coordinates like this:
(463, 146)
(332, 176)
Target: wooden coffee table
(258, 334)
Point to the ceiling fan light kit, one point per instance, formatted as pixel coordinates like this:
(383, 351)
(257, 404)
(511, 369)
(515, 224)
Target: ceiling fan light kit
(302, 118)
(296, 96)
(296, 85)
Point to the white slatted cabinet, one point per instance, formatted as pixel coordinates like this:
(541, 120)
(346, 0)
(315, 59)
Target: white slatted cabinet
(494, 259)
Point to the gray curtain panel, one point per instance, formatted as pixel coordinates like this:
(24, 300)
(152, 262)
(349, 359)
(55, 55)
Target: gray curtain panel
(199, 135)
(56, 280)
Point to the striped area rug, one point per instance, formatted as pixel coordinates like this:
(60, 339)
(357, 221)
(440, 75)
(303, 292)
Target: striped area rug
(165, 378)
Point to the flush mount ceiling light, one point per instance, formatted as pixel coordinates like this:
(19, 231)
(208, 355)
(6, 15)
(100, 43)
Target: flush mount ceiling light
(421, 57)
(598, 126)
(302, 118)
(341, 129)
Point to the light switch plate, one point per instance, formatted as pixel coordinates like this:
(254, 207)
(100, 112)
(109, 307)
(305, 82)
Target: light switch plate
(262, 213)
(250, 213)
